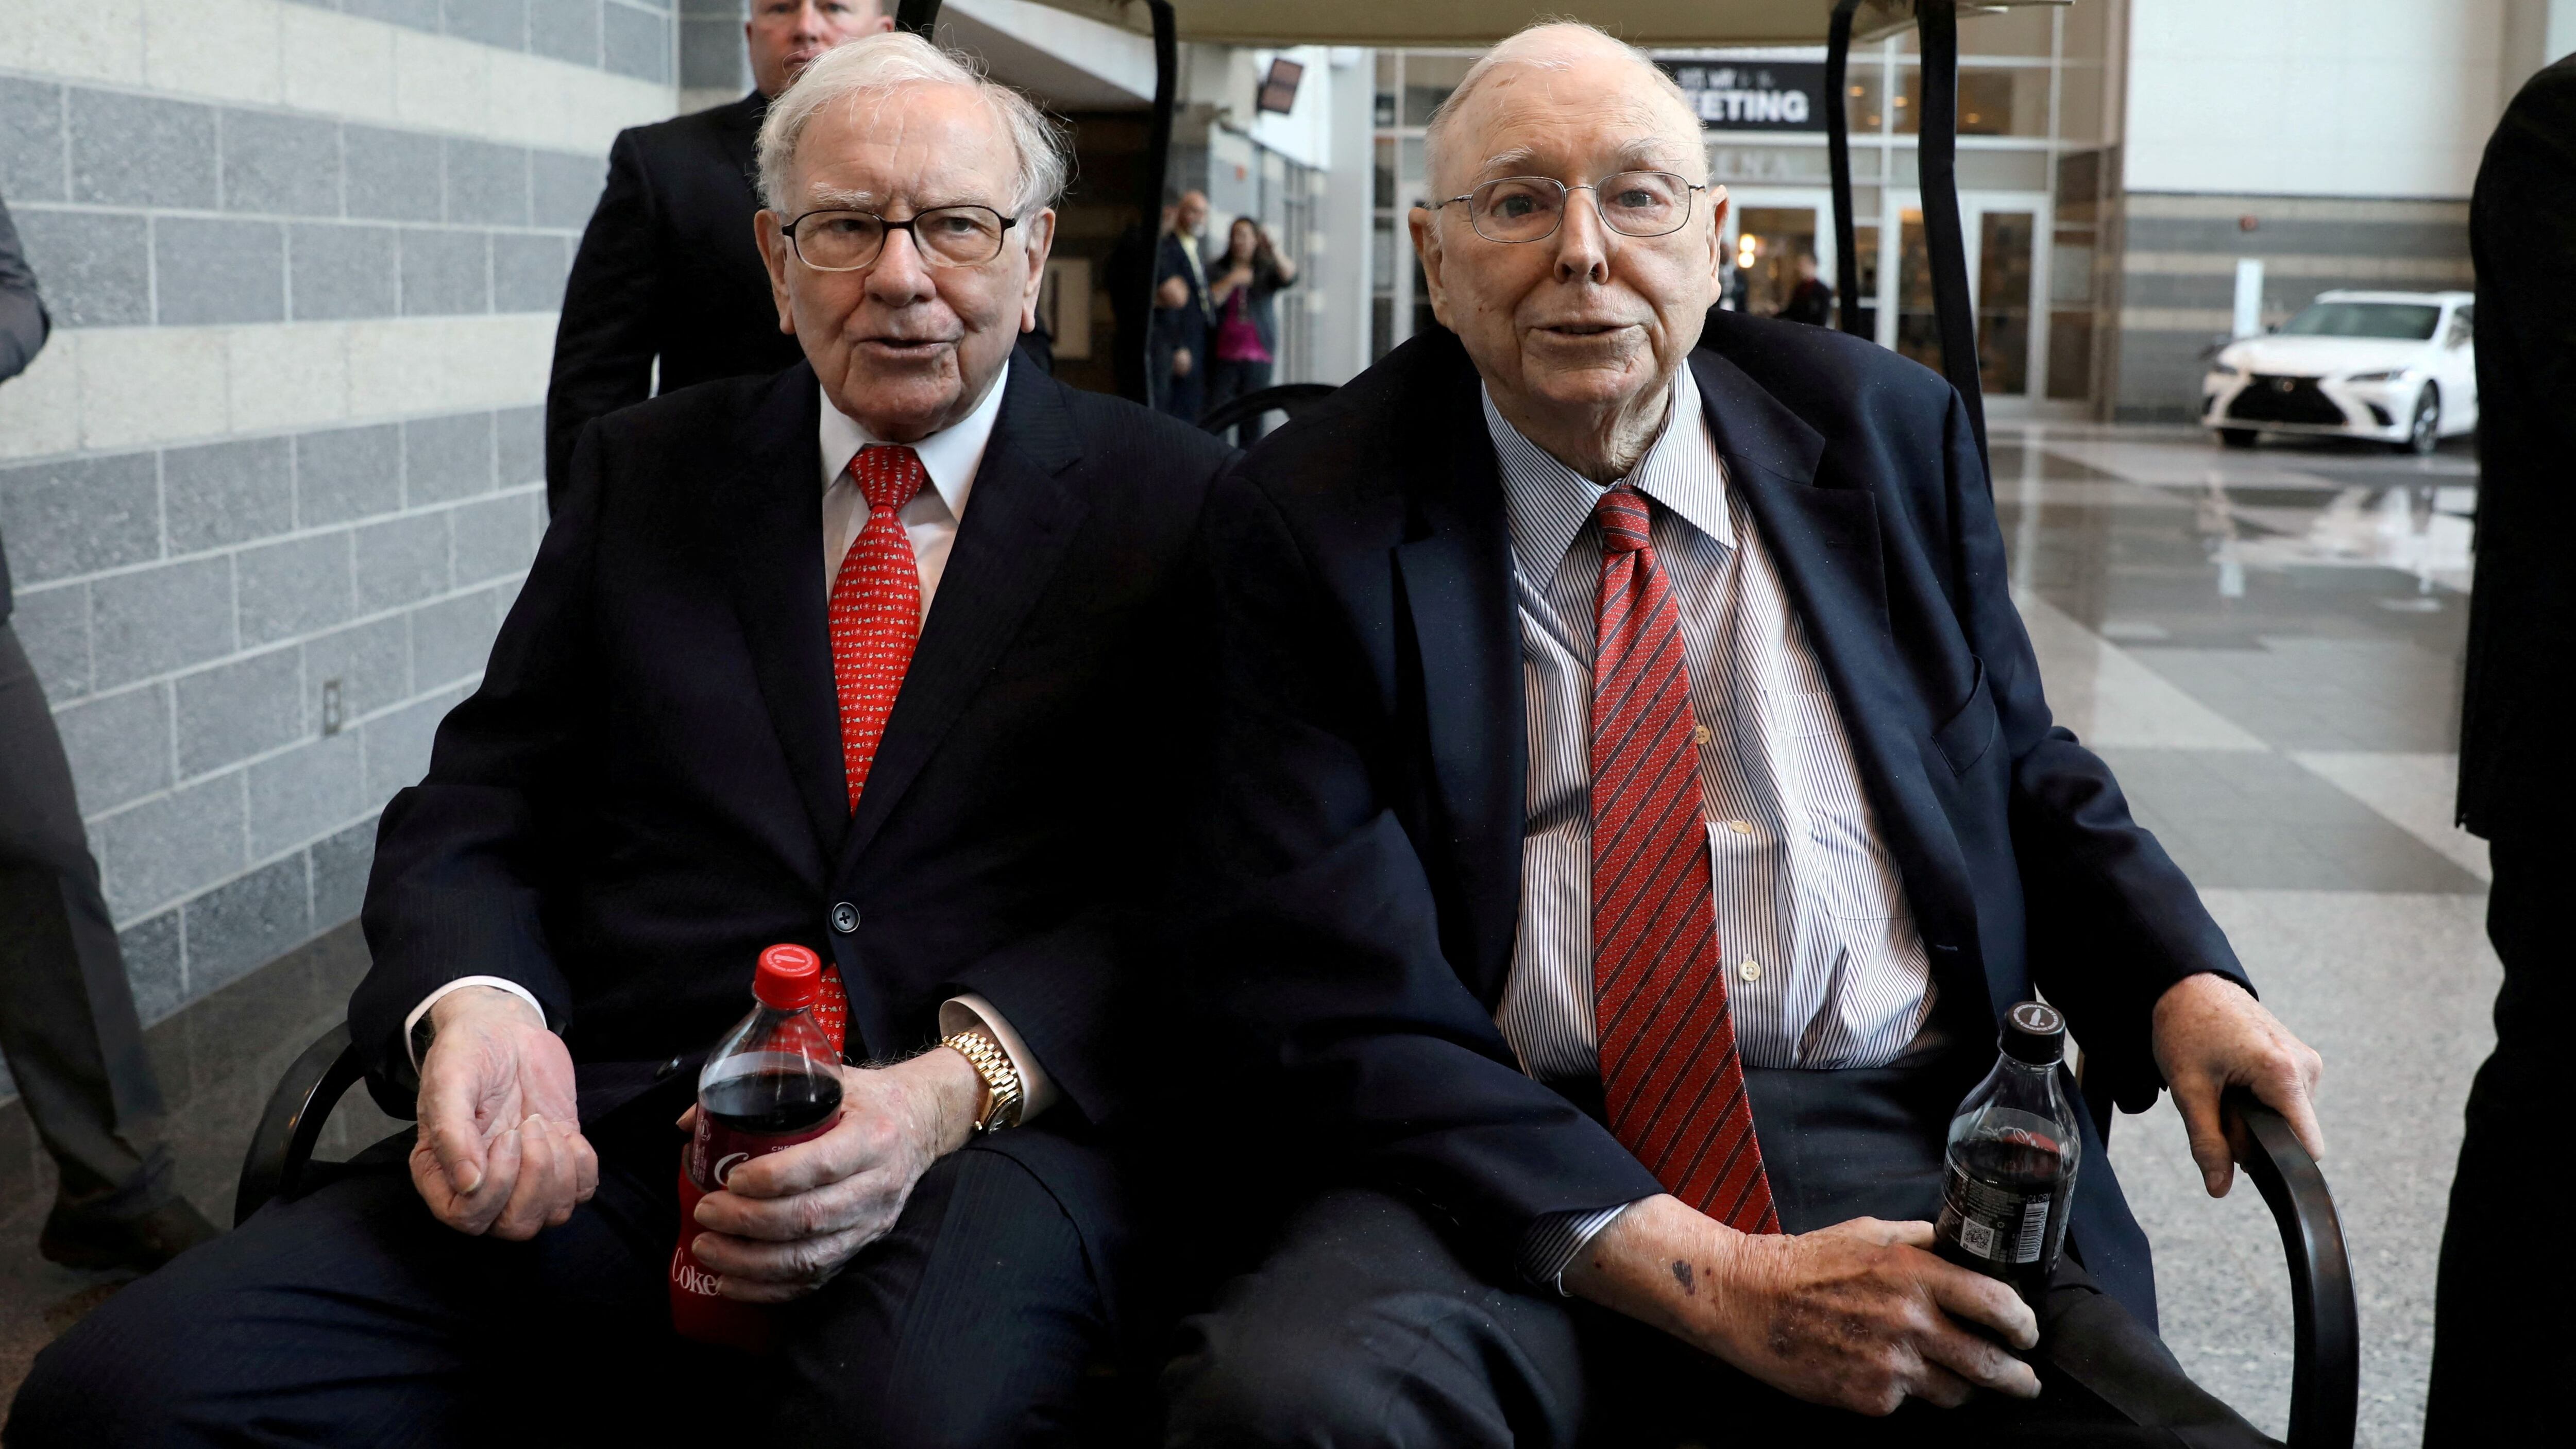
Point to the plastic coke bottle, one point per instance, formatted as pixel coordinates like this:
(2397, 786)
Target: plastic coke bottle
(2012, 1160)
(774, 1081)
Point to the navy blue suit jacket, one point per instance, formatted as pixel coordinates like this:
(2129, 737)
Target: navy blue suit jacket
(648, 788)
(1364, 850)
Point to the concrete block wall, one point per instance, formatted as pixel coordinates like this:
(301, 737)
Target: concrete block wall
(278, 475)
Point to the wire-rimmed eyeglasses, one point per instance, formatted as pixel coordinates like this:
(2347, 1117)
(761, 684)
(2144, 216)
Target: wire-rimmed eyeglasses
(838, 239)
(1531, 208)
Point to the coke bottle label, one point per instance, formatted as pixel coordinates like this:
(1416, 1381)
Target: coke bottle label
(698, 1311)
(1991, 1222)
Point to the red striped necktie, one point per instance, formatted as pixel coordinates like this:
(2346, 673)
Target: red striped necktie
(875, 619)
(1669, 1067)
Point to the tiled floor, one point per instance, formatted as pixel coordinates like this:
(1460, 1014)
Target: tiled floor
(2266, 645)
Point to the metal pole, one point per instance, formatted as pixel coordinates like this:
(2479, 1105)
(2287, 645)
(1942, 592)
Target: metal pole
(1151, 177)
(1943, 240)
(921, 17)
(1838, 147)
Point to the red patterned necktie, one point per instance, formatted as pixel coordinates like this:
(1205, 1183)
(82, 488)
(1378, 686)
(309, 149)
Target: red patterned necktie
(875, 620)
(1669, 1067)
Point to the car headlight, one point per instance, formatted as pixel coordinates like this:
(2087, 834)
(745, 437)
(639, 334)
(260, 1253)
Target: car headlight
(2391, 375)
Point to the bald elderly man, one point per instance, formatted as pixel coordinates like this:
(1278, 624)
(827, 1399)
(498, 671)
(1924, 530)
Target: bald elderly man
(1638, 809)
(876, 655)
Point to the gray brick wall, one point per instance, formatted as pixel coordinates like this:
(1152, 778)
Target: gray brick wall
(628, 37)
(250, 639)
(189, 609)
(138, 211)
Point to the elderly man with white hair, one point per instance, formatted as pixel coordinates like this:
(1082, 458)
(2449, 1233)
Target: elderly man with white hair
(878, 657)
(1638, 811)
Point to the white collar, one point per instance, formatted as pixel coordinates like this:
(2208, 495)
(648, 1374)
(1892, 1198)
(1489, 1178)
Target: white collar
(1549, 503)
(950, 456)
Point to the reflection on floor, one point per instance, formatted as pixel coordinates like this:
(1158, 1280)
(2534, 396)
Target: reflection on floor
(2266, 645)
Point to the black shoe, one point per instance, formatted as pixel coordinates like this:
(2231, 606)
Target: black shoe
(78, 1239)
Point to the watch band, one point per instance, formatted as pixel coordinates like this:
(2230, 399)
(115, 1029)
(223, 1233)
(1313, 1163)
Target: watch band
(1001, 1079)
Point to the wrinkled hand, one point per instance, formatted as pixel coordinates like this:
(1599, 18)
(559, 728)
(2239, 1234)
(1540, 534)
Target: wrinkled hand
(500, 1149)
(1858, 1316)
(783, 1224)
(2211, 1034)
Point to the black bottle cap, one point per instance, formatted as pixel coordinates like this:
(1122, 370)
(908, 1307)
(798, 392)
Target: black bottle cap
(2034, 1032)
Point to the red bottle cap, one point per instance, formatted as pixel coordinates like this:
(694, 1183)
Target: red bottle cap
(789, 977)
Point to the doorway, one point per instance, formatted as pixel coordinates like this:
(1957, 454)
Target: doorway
(2001, 234)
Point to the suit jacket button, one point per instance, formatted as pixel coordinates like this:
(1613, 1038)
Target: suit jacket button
(845, 917)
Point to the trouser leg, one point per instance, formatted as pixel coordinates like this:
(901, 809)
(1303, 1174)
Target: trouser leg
(67, 1020)
(971, 1323)
(351, 1316)
(1256, 376)
(2499, 1366)
(1364, 1329)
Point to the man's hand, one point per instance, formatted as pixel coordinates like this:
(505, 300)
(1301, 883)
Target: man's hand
(1180, 362)
(1174, 293)
(2211, 1034)
(1859, 1316)
(784, 1224)
(500, 1149)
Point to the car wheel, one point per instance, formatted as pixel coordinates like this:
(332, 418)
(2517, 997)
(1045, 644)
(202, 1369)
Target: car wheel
(2424, 429)
(2237, 437)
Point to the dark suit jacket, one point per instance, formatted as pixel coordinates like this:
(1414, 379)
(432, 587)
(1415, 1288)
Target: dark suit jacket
(2516, 773)
(1367, 834)
(1184, 326)
(667, 269)
(648, 788)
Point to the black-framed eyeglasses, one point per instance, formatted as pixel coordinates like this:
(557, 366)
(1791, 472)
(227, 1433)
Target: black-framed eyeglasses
(837, 239)
(1531, 208)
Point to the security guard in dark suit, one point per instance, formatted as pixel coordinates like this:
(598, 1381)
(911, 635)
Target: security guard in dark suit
(668, 272)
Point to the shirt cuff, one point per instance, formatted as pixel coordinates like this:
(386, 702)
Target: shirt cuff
(1555, 1239)
(411, 1023)
(971, 1012)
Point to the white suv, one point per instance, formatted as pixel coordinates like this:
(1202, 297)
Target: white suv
(2398, 367)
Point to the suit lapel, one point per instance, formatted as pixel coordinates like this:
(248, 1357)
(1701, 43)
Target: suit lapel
(1826, 542)
(1019, 519)
(771, 510)
(1457, 576)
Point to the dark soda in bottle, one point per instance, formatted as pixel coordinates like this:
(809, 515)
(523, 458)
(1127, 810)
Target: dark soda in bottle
(2012, 1160)
(774, 1081)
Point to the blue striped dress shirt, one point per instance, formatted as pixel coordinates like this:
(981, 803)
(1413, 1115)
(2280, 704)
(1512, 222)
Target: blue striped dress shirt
(1824, 968)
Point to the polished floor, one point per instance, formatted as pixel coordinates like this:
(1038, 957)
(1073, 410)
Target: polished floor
(2266, 645)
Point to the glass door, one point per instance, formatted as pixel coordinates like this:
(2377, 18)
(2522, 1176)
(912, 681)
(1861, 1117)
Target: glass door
(2001, 234)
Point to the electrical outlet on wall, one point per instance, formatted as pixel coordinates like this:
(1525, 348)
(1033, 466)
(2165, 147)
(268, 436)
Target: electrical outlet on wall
(330, 707)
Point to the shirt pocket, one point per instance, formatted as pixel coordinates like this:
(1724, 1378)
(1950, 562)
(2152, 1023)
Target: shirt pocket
(1837, 859)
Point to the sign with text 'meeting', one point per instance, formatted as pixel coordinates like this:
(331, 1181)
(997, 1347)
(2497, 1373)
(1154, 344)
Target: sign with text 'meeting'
(1752, 95)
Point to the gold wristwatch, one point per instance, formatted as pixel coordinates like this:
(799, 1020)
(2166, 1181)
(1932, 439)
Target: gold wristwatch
(1002, 1094)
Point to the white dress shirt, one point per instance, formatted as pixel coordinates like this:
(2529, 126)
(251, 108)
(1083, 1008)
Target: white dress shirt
(1824, 968)
(951, 457)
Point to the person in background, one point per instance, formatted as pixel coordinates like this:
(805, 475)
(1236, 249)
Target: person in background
(1182, 315)
(2501, 1369)
(1811, 301)
(67, 1021)
(668, 275)
(1246, 342)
